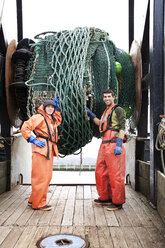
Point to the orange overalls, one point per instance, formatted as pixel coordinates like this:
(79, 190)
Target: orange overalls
(42, 158)
(110, 169)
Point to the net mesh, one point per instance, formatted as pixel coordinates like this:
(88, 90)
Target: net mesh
(78, 66)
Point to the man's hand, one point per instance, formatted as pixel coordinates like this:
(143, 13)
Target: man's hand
(39, 143)
(117, 150)
(90, 113)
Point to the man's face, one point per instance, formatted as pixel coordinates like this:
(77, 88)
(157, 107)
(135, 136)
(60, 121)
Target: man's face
(108, 99)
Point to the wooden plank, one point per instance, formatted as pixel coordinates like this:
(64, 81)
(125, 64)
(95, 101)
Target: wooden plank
(16, 214)
(69, 207)
(87, 192)
(16, 197)
(94, 192)
(40, 233)
(72, 192)
(53, 230)
(131, 215)
(152, 214)
(6, 195)
(131, 238)
(89, 218)
(58, 213)
(127, 192)
(35, 217)
(146, 221)
(91, 235)
(118, 237)
(48, 215)
(104, 236)
(157, 237)
(66, 230)
(26, 237)
(78, 213)
(122, 218)
(57, 192)
(24, 217)
(144, 237)
(12, 237)
(110, 218)
(37, 214)
(64, 193)
(12, 207)
(79, 231)
(68, 213)
(80, 192)
(4, 231)
(99, 216)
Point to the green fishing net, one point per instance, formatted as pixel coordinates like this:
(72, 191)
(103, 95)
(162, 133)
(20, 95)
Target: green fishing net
(77, 66)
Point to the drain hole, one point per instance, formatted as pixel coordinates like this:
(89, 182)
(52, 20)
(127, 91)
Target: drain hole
(62, 242)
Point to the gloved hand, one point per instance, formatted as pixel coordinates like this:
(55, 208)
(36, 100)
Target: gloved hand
(56, 101)
(90, 113)
(117, 150)
(39, 143)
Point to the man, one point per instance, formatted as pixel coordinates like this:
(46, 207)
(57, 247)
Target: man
(110, 166)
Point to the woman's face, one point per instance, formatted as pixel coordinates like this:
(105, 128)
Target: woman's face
(49, 109)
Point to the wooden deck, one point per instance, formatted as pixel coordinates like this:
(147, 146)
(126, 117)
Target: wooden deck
(136, 225)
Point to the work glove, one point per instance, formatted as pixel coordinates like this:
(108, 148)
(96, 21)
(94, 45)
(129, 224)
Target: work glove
(39, 143)
(56, 101)
(117, 150)
(90, 113)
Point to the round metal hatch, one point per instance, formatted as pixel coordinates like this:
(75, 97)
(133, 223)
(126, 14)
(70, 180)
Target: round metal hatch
(63, 240)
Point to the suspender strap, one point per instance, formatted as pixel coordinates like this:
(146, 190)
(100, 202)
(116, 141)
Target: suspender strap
(46, 138)
(50, 136)
(108, 141)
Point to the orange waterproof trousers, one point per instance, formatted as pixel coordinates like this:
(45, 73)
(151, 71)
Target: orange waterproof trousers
(40, 178)
(110, 174)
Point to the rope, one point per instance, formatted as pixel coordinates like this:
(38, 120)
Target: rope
(5, 140)
(160, 141)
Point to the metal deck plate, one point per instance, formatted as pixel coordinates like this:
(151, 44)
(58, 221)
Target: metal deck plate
(63, 240)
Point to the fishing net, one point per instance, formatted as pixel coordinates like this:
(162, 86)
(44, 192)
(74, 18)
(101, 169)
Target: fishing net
(78, 66)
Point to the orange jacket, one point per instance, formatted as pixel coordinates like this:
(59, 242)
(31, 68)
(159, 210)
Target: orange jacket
(105, 125)
(38, 124)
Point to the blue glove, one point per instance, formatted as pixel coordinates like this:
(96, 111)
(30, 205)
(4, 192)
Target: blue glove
(90, 113)
(56, 101)
(39, 143)
(117, 150)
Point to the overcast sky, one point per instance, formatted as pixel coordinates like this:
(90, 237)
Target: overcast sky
(55, 15)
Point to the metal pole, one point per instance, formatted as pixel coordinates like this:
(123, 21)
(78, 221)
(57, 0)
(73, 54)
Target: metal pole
(131, 22)
(19, 20)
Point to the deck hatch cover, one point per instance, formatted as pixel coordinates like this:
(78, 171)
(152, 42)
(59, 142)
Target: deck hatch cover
(62, 240)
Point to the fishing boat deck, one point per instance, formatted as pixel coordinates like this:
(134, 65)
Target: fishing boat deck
(73, 212)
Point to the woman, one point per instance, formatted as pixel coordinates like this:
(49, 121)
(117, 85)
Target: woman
(44, 124)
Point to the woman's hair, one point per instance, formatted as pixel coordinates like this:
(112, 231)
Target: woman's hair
(109, 91)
